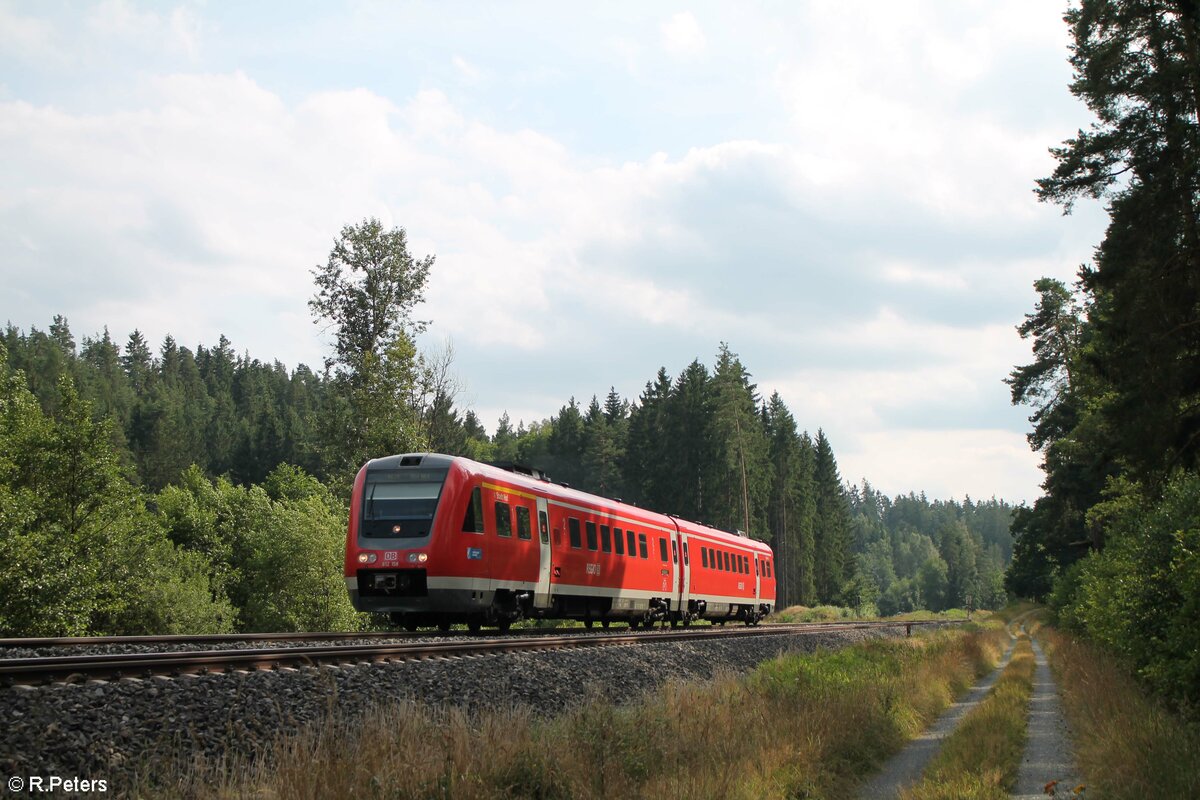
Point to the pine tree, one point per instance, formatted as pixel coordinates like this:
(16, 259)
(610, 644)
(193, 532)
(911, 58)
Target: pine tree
(739, 472)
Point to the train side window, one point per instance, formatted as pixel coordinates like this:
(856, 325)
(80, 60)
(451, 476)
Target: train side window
(632, 548)
(726, 560)
(662, 548)
(605, 539)
(674, 552)
(524, 529)
(712, 558)
(619, 541)
(642, 545)
(741, 563)
(768, 569)
(685, 554)
(704, 557)
(573, 529)
(503, 519)
(473, 520)
(544, 527)
(591, 535)
(745, 565)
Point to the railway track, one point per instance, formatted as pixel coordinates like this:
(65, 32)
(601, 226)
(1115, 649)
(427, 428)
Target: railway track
(114, 666)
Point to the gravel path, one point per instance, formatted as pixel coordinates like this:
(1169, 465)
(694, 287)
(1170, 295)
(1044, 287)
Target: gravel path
(905, 768)
(1048, 752)
(111, 730)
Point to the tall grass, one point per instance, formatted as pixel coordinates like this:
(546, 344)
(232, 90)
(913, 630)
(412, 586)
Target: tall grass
(1127, 744)
(798, 726)
(981, 759)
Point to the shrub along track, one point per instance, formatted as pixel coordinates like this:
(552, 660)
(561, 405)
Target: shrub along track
(114, 666)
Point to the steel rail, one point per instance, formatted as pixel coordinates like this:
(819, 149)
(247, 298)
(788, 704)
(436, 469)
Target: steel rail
(333, 636)
(47, 669)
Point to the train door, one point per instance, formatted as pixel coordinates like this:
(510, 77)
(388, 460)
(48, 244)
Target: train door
(685, 573)
(541, 594)
(757, 580)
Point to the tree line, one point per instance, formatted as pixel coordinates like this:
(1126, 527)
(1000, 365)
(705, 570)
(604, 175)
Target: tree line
(222, 481)
(1114, 543)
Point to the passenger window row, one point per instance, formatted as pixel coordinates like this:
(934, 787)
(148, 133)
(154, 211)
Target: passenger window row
(723, 560)
(609, 540)
(602, 538)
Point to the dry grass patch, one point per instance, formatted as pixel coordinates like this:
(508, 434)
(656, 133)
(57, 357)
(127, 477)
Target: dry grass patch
(980, 760)
(1127, 744)
(798, 726)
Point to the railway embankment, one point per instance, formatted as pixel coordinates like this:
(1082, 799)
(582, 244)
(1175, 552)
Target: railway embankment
(142, 735)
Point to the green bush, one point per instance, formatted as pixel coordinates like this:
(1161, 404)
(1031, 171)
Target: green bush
(275, 550)
(1140, 595)
(79, 553)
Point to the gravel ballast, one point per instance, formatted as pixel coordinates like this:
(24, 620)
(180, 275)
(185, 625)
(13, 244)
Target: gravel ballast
(110, 730)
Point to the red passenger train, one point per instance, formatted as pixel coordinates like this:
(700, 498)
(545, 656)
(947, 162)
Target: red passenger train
(437, 540)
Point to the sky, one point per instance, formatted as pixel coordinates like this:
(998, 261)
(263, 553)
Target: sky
(842, 192)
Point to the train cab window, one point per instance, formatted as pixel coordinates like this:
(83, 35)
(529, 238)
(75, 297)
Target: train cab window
(632, 547)
(573, 529)
(704, 557)
(619, 541)
(662, 548)
(503, 520)
(473, 521)
(642, 545)
(591, 535)
(524, 529)
(544, 527)
(674, 552)
(605, 539)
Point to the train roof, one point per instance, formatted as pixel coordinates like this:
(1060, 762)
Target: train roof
(535, 479)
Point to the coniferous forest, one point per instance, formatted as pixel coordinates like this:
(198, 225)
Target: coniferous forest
(169, 489)
(1114, 543)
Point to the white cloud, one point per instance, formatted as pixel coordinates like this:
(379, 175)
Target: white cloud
(856, 238)
(469, 73)
(29, 38)
(681, 35)
(944, 464)
(177, 31)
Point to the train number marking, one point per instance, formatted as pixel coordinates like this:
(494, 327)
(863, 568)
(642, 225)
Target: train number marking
(474, 553)
(593, 569)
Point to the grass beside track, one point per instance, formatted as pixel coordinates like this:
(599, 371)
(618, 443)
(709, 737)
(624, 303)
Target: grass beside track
(981, 759)
(798, 726)
(1127, 745)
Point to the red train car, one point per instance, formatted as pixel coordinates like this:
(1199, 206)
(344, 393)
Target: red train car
(437, 540)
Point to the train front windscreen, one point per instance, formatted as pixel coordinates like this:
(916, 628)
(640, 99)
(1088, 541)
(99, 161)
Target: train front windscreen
(401, 503)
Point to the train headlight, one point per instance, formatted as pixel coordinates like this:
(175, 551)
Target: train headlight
(418, 558)
(366, 558)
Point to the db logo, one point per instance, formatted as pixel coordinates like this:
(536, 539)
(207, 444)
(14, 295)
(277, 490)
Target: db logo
(390, 555)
